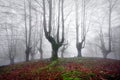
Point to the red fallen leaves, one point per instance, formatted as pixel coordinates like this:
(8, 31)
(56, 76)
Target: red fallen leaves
(46, 75)
(76, 66)
(22, 73)
(103, 69)
(107, 69)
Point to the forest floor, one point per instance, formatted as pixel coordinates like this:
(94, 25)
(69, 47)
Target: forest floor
(63, 69)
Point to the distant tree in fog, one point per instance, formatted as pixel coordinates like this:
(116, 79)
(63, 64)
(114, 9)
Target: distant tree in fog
(103, 48)
(40, 48)
(80, 42)
(11, 42)
(28, 30)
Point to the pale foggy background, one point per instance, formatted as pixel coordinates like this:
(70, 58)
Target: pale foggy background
(12, 29)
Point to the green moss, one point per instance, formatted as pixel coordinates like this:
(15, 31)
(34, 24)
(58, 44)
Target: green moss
(60, 68)
(49, 67)
(71, 75)
(53, 63)
(76, 75)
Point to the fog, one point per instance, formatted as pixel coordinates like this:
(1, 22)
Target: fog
(18, 17)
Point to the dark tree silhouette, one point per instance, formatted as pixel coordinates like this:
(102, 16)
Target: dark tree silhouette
(56, 42)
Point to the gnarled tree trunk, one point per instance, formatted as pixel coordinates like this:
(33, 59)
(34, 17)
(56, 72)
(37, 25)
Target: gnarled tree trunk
(28, 31)
(80, 44)
(79, 49)
(27, 52)
(56, 43)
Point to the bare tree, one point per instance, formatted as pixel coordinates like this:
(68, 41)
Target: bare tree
(102, 39)
(10, 30)
(56, 43)
(11, 43)
(28, 31)
(80, 44)
(106, 51)
(35, 36)
(40, 43)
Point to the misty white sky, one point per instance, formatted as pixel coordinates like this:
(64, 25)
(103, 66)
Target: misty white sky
(96, 16)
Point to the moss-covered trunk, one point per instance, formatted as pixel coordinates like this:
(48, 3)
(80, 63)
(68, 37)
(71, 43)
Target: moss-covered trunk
(79, 52)
(55, 48)
(54, 55)
(79, 49)
(27, 52)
